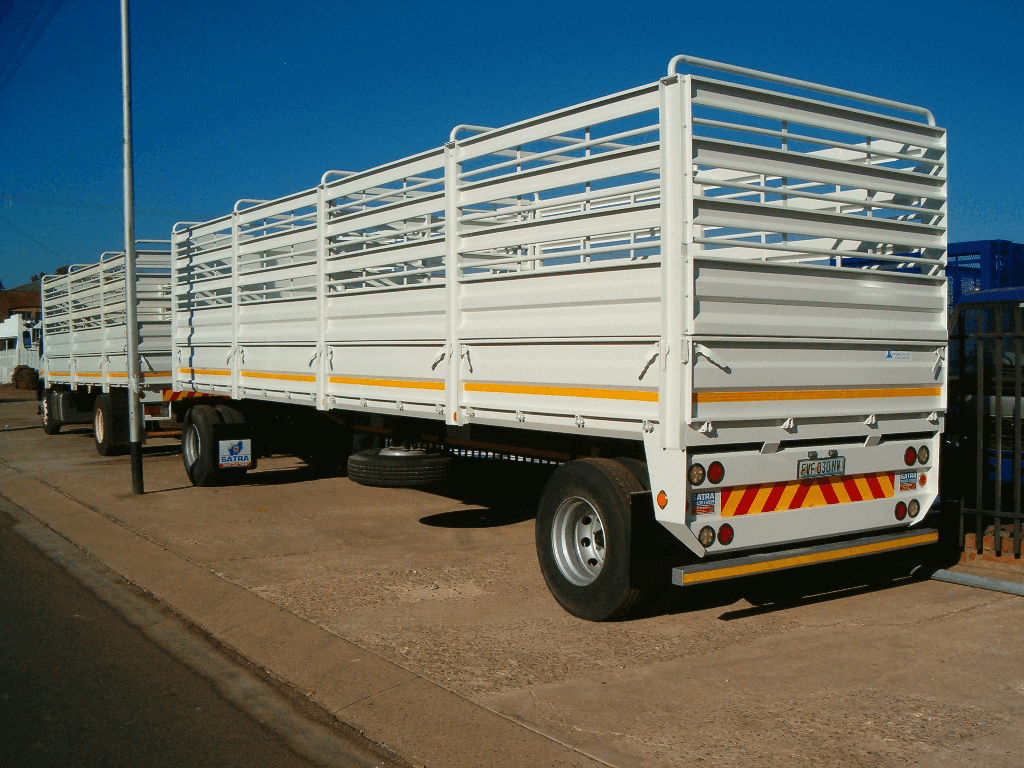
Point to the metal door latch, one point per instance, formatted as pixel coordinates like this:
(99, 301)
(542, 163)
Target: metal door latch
(699, 350)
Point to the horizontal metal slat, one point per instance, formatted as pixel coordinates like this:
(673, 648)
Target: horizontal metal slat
(606, 165)
(417, 165)
(709, 212)
(388, 214)
(779, 106)
(579, 225)
(792, 165)
(590, 113)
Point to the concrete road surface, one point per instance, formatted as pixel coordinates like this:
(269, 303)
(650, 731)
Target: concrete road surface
(423, 620)
(80, 686)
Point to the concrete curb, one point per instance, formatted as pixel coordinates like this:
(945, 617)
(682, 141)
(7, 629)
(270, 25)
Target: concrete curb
(417, 718)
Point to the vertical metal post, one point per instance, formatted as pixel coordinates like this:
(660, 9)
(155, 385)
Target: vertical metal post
(130, 300)
(675, 223)
(321, 298)
(453, 381)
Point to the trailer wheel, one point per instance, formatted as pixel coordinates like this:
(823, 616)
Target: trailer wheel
(585, 541)
(398, 468)
(198, 449)
(50, 424)
(109, 426)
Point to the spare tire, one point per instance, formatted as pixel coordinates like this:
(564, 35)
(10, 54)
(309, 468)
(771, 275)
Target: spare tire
(398, 468)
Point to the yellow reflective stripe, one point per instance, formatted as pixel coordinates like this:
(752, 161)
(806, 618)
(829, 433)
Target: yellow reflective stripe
(760, 499)
(536, 389)
(729, 507)
(816, 557)
(90, 373)
(864, 488)
(814, 498)
(397, 383)
(787, 496)
(203, 372)
(278, 376)
(814, 394)
(147, 375)
(839, 489)
(886, 482)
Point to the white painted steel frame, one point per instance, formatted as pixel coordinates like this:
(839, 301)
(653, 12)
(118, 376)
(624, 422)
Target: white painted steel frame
(84, 327)
(697, 263)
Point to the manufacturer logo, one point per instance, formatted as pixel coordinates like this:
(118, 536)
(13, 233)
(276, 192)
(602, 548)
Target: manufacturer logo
(908, 481)
(702, 503)
(897, 354)
(235, 453)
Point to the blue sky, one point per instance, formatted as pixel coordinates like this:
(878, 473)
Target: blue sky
(257, 99)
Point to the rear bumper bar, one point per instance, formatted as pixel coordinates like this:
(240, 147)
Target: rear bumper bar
(700, 573)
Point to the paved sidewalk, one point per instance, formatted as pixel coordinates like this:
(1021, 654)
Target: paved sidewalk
(424, 621)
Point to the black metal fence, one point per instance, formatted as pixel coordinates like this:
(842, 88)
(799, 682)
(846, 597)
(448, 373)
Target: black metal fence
(981, 453)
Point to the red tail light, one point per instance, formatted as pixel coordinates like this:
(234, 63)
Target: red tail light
(716, 472)
(901, 510)
(725, 534)
(910, 456)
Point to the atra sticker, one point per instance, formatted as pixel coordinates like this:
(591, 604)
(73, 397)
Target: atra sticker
(897, 354)
(235, 453)
(908, 481)
(703, 503)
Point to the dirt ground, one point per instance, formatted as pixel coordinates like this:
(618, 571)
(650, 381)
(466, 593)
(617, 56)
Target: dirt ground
(845, 665)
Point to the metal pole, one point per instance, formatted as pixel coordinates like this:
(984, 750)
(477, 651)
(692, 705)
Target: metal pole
(130, 299)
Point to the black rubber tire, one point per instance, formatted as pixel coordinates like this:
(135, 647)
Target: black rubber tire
(50, 425)
(625, 583)
(114, 415)
(370, 468)
(204, 470)
(638, 468)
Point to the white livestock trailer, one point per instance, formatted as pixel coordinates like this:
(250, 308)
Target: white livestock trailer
(718, 303)
(85, 344)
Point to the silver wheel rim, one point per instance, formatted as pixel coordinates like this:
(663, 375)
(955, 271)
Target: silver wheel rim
(46, 410)
(578, 541)
(191, 446)
(97, 425)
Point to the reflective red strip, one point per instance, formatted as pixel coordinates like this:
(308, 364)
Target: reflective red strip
(828, 492)
(748, 499)
(771, 503)
(875, 486)
(801, 494)
(851, 488)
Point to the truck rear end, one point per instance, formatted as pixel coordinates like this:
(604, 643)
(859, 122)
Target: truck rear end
(811, 384)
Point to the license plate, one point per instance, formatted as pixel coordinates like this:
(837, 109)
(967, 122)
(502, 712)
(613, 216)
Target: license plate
(235, 453)
(808, 468)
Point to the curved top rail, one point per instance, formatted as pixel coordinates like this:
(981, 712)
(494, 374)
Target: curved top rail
(248, 201)
(471, 128)
(323, 179)
(185, 225)
(757, 74)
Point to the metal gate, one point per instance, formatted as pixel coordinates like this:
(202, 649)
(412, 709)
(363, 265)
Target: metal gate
(982, 468)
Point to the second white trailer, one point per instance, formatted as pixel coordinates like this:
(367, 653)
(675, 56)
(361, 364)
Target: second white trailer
(85, 344)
